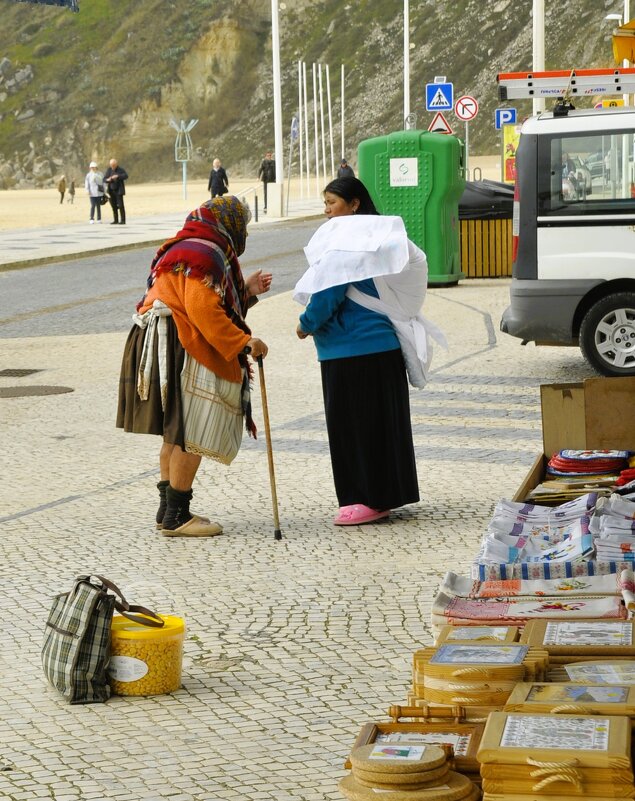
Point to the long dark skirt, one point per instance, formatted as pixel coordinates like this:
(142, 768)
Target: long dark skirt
(370, 434)
(147, 416)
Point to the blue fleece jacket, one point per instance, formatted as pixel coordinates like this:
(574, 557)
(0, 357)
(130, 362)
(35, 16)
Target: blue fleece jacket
(342, 328)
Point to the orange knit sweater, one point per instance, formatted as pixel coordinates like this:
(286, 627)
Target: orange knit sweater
(203, 327)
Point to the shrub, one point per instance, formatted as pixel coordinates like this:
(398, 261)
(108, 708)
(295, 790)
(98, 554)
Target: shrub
(44, 49)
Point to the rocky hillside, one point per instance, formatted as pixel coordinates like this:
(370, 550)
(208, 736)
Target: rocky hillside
(107, 81)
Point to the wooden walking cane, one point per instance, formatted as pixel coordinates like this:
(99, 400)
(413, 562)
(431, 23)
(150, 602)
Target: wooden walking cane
(272, 479)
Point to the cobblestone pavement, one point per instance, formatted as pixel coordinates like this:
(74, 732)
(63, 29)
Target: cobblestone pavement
(291, 646)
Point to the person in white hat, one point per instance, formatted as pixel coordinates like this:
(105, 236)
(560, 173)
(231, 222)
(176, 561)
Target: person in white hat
(94, 183)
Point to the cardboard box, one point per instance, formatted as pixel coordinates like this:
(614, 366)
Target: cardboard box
(599, 413)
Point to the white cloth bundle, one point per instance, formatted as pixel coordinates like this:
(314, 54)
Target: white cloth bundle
(355, 247)
(352, 248)
(155, 322)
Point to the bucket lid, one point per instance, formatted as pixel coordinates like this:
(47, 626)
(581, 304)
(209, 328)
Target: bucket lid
(129, 630)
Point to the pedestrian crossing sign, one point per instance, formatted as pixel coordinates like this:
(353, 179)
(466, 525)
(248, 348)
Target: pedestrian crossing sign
(439, 96)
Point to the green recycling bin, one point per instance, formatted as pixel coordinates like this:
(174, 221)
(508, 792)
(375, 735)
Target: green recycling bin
(420, 177)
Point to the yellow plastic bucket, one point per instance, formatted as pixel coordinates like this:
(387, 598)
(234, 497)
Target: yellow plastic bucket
(145, 660)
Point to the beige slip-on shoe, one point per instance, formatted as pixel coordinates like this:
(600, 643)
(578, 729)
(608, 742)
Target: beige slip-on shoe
(196, 527)
(159, 526)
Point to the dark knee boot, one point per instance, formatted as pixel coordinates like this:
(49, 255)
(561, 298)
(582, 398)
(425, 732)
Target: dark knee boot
(177, 511)
(162, 487)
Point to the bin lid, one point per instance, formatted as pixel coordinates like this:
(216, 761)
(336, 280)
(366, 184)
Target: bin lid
(486, 200)
(126, 629)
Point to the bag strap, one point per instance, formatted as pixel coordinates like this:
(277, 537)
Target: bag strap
(124, 608)
(151, 618)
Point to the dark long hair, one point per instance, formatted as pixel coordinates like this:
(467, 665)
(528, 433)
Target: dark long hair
(350, 188)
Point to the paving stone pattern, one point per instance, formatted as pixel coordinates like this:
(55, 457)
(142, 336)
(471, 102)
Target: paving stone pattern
(291, 646)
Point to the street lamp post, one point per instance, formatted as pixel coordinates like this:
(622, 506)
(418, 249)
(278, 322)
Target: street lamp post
(538, 20)
(275, 199)
(406, 60)
(183, 147)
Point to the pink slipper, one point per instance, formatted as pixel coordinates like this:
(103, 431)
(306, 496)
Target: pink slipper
(357, 514)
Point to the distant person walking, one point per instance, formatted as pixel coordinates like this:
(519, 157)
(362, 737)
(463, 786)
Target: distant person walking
(114, 178)
(71, 193)
(345, 170)
(218, 184)
(94, 184)
(267, 174)
(61, 187)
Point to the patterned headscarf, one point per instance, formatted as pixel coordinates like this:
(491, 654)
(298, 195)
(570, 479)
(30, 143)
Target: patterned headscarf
(233, 216)
(222, 225)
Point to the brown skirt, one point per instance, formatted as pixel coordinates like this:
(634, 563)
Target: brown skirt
(147, 416)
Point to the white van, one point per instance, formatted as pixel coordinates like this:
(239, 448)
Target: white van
(573, 279)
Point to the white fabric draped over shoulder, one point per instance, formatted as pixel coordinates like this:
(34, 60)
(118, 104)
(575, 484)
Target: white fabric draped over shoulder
(352, 248)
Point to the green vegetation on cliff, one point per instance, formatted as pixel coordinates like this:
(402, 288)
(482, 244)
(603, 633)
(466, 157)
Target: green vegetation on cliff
(107, 81)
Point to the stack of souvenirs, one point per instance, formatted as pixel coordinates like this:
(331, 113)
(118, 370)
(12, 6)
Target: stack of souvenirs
(531, 541)
(587, 464)
(613, 529)
(408, 772)
(529, 756)
(431, 725)
(474, 674)
(466, 602)
(534, 658)
(571, 642)
(570, 472)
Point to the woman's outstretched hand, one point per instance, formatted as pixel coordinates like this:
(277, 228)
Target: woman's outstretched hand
(258, 283)
(258, 347)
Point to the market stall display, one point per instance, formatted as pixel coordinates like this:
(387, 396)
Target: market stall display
(538, 643)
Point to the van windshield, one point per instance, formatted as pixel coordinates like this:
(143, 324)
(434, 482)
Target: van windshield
(586, 173)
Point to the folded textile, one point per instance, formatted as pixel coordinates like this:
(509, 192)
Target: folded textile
(571, 549)
(551, 532)
(548, 570)
(610, 584)
(613, 526)
(591, 455)
(607, 550)
(620, 584)
(533, 530)
(460, 611)
(565, 512)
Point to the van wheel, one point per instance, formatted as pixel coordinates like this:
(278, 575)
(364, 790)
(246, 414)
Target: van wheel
(607, 335)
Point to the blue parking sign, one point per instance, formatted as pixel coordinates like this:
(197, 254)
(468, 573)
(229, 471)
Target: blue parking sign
(504, 116)
(439, 96)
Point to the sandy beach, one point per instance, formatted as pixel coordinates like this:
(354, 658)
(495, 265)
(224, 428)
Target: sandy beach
(37, 208)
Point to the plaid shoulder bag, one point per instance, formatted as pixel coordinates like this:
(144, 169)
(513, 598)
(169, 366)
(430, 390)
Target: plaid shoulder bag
(76, 647)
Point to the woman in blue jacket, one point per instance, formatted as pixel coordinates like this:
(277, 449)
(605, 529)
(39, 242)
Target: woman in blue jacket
(364, 379)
